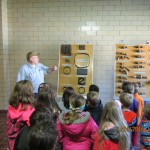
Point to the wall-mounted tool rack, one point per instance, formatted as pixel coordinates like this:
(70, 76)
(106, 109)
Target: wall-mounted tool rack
(133, 65)
(75, 68)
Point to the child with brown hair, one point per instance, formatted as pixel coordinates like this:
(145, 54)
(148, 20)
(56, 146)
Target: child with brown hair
(145, 125)
(126, 100)
(46, 99)
(128, 87)
(68, 92)
(43, 136)
(19, 110)
(94, 106)
(94, 87)
(76, 128)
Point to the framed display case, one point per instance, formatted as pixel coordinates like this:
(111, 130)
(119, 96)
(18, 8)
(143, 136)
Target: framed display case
(75, 68)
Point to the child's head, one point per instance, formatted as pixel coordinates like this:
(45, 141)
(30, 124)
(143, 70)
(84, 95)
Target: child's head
(93, 98)
(126, 100)
(77, 105)
(45, 88)
(128, 87)
(40, 115)
(94, 87)
(46, 98)
(43, 136)
(77, 102)
(113, 113)
(146, 111)
(68, 92)
(22, 93)
(136, 88)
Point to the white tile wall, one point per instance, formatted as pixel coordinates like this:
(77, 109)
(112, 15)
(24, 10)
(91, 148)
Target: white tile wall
(4, 59)
(45, 25)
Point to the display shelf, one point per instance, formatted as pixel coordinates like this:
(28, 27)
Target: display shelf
(133, 65)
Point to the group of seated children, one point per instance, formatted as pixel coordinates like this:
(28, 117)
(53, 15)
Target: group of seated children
(41, 125)
(31, 124)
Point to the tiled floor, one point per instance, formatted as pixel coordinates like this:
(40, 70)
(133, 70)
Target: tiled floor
(3, 139)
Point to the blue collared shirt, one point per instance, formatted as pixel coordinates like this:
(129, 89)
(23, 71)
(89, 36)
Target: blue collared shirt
(35, 74)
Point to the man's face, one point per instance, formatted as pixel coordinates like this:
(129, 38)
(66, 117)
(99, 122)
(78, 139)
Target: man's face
(34, 60)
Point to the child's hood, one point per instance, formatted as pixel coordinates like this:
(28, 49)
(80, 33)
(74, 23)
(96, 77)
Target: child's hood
(77, 127)
(16, 113)
(112, 134)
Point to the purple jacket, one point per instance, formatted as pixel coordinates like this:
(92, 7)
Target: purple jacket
(16, 119)
(134, 106)
(79, 135)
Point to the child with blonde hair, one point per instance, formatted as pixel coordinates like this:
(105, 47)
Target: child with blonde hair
(76, 128)
(130, 116)
(19, 110)
(109, 135)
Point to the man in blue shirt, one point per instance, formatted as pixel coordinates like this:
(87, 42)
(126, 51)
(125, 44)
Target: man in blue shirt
(34, 71)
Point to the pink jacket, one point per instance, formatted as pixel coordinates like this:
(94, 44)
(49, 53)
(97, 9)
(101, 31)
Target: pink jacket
(79, 135)
(16, 119)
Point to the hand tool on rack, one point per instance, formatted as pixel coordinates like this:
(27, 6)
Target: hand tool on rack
(139, 51)
(123, 47)
(119, 92)
(122, 57)
(121, 53)
(138, 66)
(119, 87)
(139, 56)
(139, 62)
(123, 71)
(123, 78)
(141, 93)
(140, 84)
(140, 77)
(140, 46)
(123, 67)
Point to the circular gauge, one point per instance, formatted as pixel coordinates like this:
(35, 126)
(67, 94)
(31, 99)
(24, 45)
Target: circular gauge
(81, 90)
(67, 70)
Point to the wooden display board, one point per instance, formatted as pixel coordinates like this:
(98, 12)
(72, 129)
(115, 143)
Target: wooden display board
(133, 65)
(75, 68)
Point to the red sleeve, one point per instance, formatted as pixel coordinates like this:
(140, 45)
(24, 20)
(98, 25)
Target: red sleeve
(95, 146)
(104, 145)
